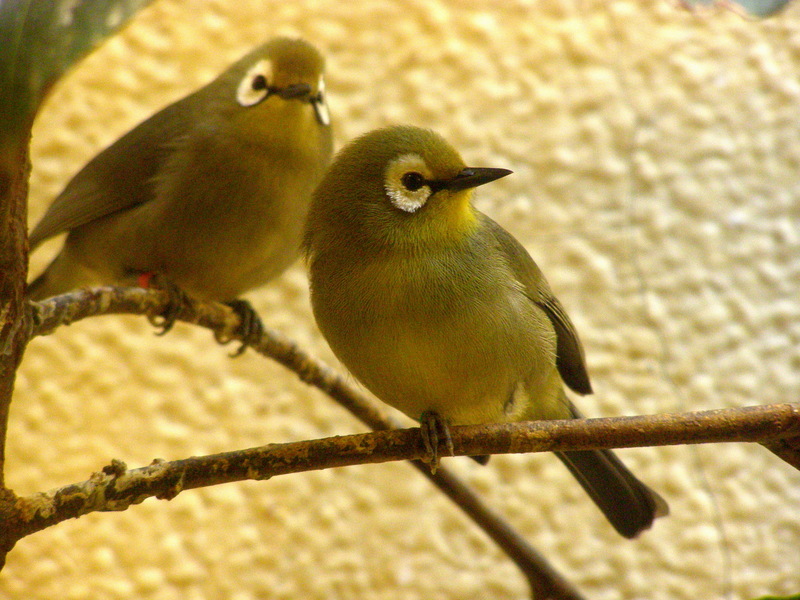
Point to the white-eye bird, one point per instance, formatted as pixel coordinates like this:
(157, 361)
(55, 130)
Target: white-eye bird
(210, 194)
(440, 312)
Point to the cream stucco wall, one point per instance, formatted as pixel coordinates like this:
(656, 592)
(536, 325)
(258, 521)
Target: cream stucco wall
(657, 174)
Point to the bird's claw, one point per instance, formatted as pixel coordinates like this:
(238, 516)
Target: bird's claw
(250, 329)
(434, 429)
(176, 299)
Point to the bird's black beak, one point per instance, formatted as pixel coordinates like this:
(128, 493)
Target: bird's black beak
(303, 91)
(321, 109)
(296, 90)
(473, 177)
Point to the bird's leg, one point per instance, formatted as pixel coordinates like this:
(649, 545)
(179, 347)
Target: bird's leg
(251, 328)
(176, 300)
(432, 426)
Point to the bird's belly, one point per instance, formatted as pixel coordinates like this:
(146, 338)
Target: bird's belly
(231, 271)
(224, 261)
(469, 368)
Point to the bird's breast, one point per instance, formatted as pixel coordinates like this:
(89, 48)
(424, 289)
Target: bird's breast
(433, 335)
(229, 218)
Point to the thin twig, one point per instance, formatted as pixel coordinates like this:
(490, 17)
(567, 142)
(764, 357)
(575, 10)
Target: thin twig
(115, 488)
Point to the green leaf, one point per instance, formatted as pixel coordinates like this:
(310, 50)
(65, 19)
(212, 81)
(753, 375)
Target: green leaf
(40, 39)
(757, 8)
(793, 597)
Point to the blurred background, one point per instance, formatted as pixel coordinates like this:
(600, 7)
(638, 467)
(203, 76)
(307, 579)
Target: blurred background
(656, 163)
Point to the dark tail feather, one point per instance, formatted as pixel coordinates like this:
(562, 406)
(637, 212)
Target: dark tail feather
(628, 504)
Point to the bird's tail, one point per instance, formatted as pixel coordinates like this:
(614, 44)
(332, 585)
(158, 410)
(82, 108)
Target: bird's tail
(628, 504)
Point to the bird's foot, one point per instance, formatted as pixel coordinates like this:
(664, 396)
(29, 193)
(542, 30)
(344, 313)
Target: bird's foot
(433, 428)
(250, 330)
(176, 300)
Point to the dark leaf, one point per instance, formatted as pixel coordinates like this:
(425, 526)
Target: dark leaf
(40, 39)
(757, 8)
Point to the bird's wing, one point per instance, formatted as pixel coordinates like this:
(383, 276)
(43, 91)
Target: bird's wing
(121, 176)
(570, 359)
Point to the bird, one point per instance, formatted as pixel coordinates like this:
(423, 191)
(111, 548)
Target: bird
(209, 195)
(443, 314)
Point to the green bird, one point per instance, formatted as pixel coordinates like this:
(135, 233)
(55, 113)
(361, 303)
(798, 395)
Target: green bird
(210, 194)
(440, 312)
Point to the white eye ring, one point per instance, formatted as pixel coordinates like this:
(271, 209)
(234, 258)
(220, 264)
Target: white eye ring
(254, 86)
(400, 196)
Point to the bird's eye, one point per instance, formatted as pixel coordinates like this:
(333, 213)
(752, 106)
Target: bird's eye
(254, 86)
(259, 83)
(412, 181)
(408, 182)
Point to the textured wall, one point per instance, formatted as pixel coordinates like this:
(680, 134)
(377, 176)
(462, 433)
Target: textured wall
(657, 169)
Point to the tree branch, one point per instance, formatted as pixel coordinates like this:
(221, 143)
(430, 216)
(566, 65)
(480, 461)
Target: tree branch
(115, 488)
(545, 582)
(14, 168)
